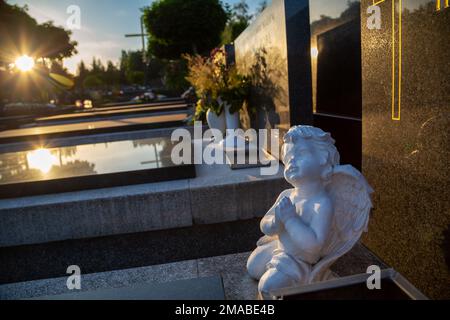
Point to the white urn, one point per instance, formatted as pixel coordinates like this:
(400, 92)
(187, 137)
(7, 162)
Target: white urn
(231, 119)
(217, 122)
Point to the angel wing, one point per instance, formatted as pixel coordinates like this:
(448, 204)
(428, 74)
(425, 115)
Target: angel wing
(351, 198)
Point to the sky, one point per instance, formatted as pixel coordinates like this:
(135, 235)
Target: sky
(105, 22)
(103, 25)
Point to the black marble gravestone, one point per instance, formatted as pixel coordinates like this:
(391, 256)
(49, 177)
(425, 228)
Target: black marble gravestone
(275, 51)
(378, 79)
(406, 100)
(305, 61)
(97, 126)
(336, 74)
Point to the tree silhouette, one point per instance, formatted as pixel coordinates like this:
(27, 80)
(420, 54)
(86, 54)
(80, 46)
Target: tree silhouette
(179, 26)
(239, 20)
(21, 34)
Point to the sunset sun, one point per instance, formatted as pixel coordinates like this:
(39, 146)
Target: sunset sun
(24, 63)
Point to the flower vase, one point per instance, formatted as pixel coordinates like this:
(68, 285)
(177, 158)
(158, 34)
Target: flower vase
(231, 119)
(217, 122)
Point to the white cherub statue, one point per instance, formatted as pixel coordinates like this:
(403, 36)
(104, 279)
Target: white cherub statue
(313, 224)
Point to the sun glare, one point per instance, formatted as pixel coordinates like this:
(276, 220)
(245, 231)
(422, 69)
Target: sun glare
(314, 52)
(41, 159)
(24, 63)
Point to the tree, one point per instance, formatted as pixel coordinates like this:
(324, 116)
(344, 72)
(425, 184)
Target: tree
(82, 73)
(21, 34)
(155, 69)
(132, 67)
(53, 42)
(112, 74)
(15, 24)
(97, 66)
(238, 22)
(240, 11)
(132, 61)
(135, 77)
(58, 68)
(179, 26)
(93, 81)
(262, 6)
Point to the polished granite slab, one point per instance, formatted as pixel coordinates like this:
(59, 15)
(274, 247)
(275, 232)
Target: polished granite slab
(275, 52)
(88, 166)
(94, 127)
(336, 74)
(163, 101)
(208, 288)
(98, 113)
(406, 113)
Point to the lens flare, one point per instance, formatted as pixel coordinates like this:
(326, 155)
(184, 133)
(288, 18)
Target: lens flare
(24, 63)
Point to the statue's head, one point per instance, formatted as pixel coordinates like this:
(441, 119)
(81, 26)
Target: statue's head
(308, 154)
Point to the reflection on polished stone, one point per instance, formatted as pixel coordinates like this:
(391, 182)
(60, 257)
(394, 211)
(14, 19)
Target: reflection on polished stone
(82, 160)
(336, 57)
(41, 159)
(274, 51)
(107, 125)
(336, 73)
